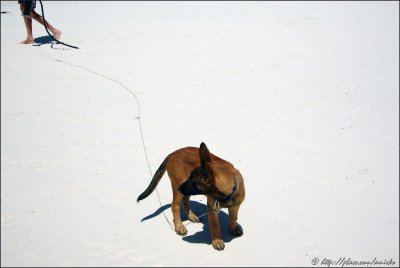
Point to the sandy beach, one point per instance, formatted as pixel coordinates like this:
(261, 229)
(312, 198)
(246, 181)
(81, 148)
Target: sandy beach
(301, 97)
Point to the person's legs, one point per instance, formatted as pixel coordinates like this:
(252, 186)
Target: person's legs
(28, 25)
(56, 33)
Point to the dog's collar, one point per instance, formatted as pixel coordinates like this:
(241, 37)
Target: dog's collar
(227, 198)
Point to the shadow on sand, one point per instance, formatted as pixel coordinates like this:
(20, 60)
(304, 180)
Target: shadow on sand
(42, 40)
(203, 236)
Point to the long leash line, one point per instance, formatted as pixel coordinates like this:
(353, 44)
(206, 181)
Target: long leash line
(216, 205)
(138, 118)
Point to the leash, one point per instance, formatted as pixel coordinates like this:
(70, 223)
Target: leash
(47, 30)
(140, 125)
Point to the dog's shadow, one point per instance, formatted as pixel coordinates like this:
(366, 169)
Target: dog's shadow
(203, 236)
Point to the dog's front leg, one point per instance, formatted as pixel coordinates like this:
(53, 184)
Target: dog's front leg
(234, 227)
(213, 221)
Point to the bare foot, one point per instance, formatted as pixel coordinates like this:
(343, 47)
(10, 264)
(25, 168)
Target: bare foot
(56, 34)
(27, 41)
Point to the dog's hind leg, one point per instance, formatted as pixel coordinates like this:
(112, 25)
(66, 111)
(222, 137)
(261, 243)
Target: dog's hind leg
(191, 216)
(180, 229)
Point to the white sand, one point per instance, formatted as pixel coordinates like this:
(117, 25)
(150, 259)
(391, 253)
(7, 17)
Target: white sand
(303, 98)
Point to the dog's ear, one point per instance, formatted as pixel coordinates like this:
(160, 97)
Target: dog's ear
(205, 157)
(203, 170)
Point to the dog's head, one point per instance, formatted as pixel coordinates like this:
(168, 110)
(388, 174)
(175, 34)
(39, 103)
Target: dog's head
(201, 180)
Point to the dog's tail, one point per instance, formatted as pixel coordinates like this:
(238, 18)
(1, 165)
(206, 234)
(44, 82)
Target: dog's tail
(156, 178)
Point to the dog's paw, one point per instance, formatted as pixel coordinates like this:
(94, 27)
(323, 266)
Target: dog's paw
(181, 230)
(193, 218)
(238, 231)
(218, 244)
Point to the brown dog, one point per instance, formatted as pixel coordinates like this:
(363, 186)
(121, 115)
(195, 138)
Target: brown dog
(196, 171)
